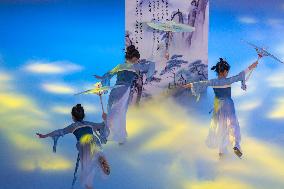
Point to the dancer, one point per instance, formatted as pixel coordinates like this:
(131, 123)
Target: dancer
(128, 78)
(90, 137)
(224, 126)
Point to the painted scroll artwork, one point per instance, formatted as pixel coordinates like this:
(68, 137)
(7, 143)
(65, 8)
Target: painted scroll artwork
(174, 35)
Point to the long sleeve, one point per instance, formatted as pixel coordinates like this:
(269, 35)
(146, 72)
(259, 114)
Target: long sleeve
(103, 133)
(151, 70)
(106, 79)
(62, 132)
(200, 86)
(120, 67)
(55, 135)
(247, 71)
(229, 81)
(95, 126)
(147, 68)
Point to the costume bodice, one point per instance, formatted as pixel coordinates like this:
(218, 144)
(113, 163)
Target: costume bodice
(222, 93)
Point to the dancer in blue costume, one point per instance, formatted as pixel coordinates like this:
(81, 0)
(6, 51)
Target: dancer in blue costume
(224, 128)
(128, 78)
(90, 137)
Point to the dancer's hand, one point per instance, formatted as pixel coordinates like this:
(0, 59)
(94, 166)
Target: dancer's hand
(187, 86)
(104, 116)
(98, 77)
(253, 66)
(259, 56)
(41, 135)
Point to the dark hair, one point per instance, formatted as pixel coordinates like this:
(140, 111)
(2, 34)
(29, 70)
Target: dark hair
(221, 66)
(78, 112)
(132, 52)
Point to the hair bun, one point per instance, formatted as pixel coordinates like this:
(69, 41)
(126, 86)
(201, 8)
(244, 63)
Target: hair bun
(132, 52)
(221, 66)
(78, 112)
(130, 48)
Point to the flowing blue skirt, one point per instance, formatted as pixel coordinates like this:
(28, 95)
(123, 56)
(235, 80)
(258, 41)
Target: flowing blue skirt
(224, 128)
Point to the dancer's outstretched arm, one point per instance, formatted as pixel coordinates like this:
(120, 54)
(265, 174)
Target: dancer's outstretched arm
(228, 81)
(225, 81)
(98, 77)
(148, 69)
(105, 79)
(55, 135)
(198, 87)
(98, 126)
(59, 132)
(102, 129)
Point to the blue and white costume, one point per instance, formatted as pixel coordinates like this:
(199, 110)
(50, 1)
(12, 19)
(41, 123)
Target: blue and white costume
(224, 127)
(90, 137)
(120, 96)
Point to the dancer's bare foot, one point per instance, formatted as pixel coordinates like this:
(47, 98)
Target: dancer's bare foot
(104, 165)
(238, 152)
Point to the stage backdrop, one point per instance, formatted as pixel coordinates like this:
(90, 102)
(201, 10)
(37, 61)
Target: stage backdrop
(179, 57)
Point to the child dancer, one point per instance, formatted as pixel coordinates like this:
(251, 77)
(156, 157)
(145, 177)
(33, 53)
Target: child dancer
(89, 145)
(224, 128)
